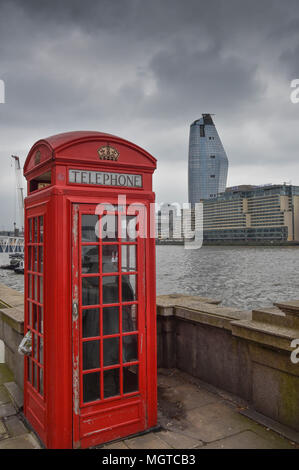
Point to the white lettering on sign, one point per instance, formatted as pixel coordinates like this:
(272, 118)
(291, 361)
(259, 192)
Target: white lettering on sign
(102, 178)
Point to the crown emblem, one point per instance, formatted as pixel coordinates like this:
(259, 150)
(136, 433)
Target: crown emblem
(108, 153)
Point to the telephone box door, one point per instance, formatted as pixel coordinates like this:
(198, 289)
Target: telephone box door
(108, 317)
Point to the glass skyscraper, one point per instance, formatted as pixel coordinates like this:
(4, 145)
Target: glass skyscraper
(208, 163)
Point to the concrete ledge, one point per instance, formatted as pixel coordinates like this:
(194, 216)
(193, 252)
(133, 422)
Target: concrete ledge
(10, 297)
(265, 333)
(14, 317)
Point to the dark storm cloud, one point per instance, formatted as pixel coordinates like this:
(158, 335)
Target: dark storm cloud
(145, 71)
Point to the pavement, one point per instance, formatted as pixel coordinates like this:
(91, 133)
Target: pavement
(13, 432)
(195, 415)
(191, 415)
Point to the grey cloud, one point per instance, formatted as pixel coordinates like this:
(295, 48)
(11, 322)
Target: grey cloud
(146, 70)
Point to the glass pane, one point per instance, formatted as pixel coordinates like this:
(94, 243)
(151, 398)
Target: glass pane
(41, 260)
(128, 258)
(111, 351)
(110, 320)
(30, 230)
(41, 289)
(90, 322)
(34, 376)
(91, 387)
(110, 290)
(129, 288)
(91, 355)
(29, 369)
(35, 229)
(128, 228)
(41, 381)
(41, 229)
(130, 348)
(29, 313)
(90, 291)
(129, 318)
(110, 258)
(30, 258)
(90, 259)
(41, 350)
(35, 295)
(34, 319)
(30, 286)
(34, 346)
(35, 258)
(40, 320)
(111, 383)
(130, 379)
(89, 227)
(109, 227)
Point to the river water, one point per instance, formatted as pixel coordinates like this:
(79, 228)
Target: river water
(244, 277)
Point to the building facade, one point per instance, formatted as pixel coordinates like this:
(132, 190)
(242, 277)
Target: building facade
(207, 161)
(253, 214)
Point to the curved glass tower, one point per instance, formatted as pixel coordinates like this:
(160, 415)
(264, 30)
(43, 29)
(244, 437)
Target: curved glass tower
(208, 163)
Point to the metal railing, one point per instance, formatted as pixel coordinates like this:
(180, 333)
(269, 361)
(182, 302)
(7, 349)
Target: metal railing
(11, 244)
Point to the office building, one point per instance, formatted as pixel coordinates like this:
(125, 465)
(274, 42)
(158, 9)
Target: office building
(253, 214)
(207, 161)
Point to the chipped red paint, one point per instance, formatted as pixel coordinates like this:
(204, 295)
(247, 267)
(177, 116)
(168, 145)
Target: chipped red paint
(53, 401)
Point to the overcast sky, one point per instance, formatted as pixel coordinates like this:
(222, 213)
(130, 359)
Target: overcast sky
(144, 70)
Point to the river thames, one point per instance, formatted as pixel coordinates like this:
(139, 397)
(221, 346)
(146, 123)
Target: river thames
(243, 277)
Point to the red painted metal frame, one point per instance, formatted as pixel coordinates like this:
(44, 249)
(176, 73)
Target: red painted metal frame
(53, 416)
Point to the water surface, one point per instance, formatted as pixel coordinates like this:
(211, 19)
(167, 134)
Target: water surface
(245, 277)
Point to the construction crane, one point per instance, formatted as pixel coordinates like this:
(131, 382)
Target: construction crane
(20, 193)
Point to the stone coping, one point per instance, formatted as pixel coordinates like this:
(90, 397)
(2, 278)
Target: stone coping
(170, 300)
(289, 308)
(14, 317)
(216, 318)
(276, 336)
(199, 309)
(10, 297)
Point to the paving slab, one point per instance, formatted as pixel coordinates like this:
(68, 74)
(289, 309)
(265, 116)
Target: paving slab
(3, 432)
(147, 441)
(189, 396)
(177, 440)
(169, 378)
(5, 374)
(115, 446)
(217, 421)
(248, 440)
(4, 397)
(15, 426)
(26, 441)
(7, 410)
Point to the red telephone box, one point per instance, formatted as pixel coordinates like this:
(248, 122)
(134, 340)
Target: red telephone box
(89, 290)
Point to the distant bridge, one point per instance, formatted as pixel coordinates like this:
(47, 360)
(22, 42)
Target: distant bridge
(11, 244)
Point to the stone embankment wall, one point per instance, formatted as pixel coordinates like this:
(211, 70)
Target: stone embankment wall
(245, 353)
(12, 329)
